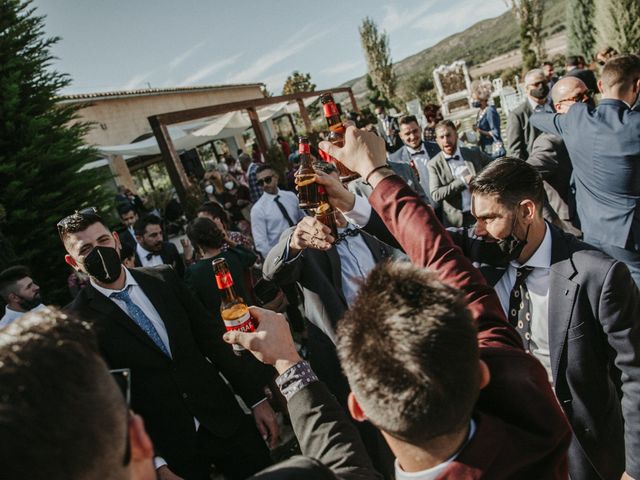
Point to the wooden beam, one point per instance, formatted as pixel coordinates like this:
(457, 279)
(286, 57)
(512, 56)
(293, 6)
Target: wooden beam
(354, 105)
(257, 129)
(305, 116)
(201, 112)
(293, 124)
(171, 158)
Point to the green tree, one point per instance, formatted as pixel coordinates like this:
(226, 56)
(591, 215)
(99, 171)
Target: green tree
(530, 14)
(298, 82)
(618, 24)
(375, 96)
(378, 56)
(581, 30)
(41, 149)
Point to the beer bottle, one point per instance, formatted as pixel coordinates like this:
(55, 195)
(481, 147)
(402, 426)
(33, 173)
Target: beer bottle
(307, 187)
(235, 313)
(336, 134)
(325, 212)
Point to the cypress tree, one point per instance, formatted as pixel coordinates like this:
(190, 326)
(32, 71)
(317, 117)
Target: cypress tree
(41, 150)
(618, 23)
(580, 27)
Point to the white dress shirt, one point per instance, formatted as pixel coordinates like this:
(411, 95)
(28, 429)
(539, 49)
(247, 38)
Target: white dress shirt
(537, 283)
(360, 214)
(356, 261)
(268, 222)
(142, 252)
(434, 472)
(460, 170)
(420, 159)
(10, 315)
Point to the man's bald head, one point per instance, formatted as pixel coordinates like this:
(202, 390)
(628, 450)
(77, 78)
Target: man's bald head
(566, 92)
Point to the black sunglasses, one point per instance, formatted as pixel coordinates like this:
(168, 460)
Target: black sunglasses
(265, 180)
(62, 224)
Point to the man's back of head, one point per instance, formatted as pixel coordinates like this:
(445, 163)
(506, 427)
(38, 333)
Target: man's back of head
(409, 349)
(621, 78)
(62, 416)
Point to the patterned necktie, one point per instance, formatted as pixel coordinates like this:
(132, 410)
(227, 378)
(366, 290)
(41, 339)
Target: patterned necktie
(520, 307)
(138, 316)
(285, 214)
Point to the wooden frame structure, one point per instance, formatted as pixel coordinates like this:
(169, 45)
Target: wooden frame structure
(170, 156)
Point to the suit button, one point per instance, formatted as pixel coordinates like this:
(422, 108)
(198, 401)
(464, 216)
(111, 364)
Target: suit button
(185, 396)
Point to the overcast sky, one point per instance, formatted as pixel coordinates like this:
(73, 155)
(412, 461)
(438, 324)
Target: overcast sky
(126, 44)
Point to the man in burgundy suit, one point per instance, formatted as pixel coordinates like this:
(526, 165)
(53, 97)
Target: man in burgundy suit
(429, 355)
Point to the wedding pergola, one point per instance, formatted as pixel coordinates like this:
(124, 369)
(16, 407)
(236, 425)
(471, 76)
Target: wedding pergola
(160, 126)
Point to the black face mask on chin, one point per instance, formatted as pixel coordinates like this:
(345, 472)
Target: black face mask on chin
(540, 92)
(103, 264)
(511, 246)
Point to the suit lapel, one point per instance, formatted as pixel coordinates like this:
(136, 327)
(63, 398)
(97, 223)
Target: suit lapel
(562, 296)
(334, 262)
(446, 177)
(377, 250)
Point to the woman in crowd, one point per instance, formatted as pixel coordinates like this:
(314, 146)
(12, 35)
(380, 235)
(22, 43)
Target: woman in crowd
(236, 201)
(488, 121)
(433, 115)
(214, 212)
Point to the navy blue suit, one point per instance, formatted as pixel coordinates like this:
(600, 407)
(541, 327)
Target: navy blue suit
(604, 146)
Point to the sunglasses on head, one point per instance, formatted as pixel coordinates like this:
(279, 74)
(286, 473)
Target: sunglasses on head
(90, 211)
(265, 180)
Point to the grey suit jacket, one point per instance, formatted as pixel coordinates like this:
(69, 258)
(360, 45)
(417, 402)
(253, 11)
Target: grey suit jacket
(403, 170)
(520, 132)
(446, 189)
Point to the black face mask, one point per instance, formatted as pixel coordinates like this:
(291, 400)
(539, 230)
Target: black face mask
(27, 304)
(511, 246)
(540, 92)
(103, 264)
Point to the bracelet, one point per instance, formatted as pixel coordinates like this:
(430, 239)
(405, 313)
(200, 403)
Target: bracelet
(366, 180)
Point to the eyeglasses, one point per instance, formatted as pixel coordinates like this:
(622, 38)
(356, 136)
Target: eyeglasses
(265, 180)
(74, 217)
(582, 97)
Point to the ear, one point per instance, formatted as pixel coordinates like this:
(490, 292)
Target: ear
(355, 409)
(116, 237)
(141, 449)
(485, 374)
(600, 86)
(528, 210)
(71, 262)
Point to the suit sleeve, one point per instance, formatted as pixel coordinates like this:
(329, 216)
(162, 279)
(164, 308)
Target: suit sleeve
(515, 145)
(544, 157)
(619, 313)
(550, 122)
(246, 256)
(277, 267)
(246, 380)
(440, 192)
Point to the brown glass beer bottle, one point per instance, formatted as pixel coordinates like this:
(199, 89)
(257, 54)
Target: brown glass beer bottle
(235, 313)
(307, 187)
(336, 134)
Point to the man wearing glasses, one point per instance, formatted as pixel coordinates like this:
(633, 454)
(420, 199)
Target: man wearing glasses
(520, 132)
(274, 212)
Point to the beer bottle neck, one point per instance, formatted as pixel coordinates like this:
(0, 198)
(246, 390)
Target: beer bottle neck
(228, 296)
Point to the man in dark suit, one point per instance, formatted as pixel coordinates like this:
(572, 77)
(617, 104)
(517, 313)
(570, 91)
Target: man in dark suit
(151, 249)
(415, 152)
(388, 129)
(576, 309)
(575, 67)
(450, 172)
(148, 321)
(520, 132)
(604, 146)
(129, 217)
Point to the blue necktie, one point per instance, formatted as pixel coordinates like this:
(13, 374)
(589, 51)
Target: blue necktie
(138, 316)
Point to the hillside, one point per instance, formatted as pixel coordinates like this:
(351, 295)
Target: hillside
(479, 43)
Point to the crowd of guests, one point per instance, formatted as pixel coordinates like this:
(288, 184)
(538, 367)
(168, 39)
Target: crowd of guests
(475, 314)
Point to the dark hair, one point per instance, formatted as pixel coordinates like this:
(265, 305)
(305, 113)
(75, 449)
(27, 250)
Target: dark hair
(203, 233)
(9, 277)
(409, 349)
(325, 167)
(512, 180)
(407, 119)
(547, 62)
(573, 61)
(446, 124)
(623, 70)
(126, 251)
(125, 208)
(215, 210)
(140, 227)
(263, 168)
(79, 222)
(54, 380)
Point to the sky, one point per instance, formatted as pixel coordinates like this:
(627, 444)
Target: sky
(128, 44)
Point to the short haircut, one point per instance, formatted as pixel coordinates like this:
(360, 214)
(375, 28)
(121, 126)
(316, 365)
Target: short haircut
(264, 167)
(215, 210)
(622, 71)
(125, 208)
(62, 416)
(536, 72)
(547, 63)
(141, 224)
(512, 180)
(446, 124)
(78, 222)
(203, 233)
(9, 278)
(126, 251)
(409, 349)
(407, 119)
(573, 61)
(326, 167)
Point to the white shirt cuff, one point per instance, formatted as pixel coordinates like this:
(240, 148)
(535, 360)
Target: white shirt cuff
(360, 214)
(159, 462)
(258, 403)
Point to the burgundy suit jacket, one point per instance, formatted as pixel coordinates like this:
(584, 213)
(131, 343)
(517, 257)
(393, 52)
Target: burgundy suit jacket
(521, 430)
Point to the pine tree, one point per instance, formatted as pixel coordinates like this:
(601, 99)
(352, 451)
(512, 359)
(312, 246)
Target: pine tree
(41, 149)
(298, 82)
(618, 24)
(530, 14)
(581, 30)
(378, 56)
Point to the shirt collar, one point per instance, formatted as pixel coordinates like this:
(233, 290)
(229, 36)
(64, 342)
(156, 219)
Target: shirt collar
(272, 195)
(142, 252)
(457, 152)
(129, 280)
(541, 258)
(419, 149)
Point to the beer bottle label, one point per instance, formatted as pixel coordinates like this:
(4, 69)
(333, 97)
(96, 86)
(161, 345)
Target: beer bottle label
(242, 324)
(304, 148)
(224, 280)
(330, 109)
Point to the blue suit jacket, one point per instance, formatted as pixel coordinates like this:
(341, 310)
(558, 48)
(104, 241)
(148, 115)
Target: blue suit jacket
(604, 146)
(403, 156)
